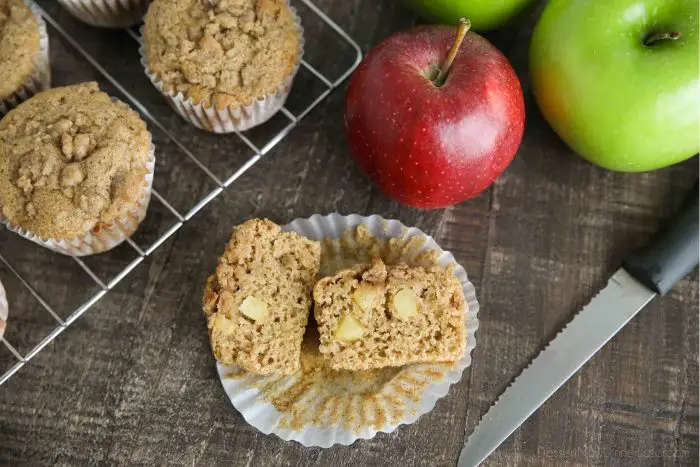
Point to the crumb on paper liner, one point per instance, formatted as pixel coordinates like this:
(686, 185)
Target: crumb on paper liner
(40, 79)
(322, 407)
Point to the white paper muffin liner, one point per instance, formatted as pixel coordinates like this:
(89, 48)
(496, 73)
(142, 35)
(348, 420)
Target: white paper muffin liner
(232, 118)
(245, 393)
(107, 13)
(40, 79)
(102, 237)
(4, 309)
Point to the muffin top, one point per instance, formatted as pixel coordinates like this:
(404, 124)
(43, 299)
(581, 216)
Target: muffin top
(71, 158)
(221, 52)
(19, 45)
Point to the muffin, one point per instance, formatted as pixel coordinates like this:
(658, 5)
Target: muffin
(257, 303)
(375, 316)
(107, 13)
(224, 65)
(76, 168)
(24, 49)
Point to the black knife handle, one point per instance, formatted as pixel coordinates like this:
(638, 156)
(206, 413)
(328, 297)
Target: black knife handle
(673, 254)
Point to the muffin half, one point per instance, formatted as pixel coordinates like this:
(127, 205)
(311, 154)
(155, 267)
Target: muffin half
(257, 303)
(375, 316)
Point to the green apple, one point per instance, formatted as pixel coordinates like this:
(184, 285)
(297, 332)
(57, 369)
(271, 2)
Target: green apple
(483, 14)
(619, 80)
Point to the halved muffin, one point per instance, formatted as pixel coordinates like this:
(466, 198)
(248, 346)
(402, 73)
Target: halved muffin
(374, 316)
(257, 303)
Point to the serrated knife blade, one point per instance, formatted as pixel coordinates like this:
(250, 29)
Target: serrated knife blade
(592, 327)
(651, 271)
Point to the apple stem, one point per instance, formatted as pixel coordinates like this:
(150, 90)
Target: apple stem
(462, 28)
(661, 36)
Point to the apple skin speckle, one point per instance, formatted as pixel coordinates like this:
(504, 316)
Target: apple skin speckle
(428, 146)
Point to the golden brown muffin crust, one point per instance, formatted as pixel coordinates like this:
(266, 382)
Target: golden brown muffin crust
(221, 52)
(277, 268)
(19, 45)
(70, 159)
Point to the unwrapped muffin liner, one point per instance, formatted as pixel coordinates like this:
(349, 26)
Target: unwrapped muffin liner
(107, 13)
(432, 381)
(102, 237)
(232, 118)
(40, 79)
(4, 309)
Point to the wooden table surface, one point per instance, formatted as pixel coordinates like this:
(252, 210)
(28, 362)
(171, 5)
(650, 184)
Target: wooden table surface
(133, 381)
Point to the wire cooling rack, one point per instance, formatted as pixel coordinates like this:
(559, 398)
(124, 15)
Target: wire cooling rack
(88, 49)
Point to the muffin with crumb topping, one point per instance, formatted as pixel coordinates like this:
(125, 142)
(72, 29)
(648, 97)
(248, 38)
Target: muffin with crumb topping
(76, 168)
(224, 65)
(24, 48)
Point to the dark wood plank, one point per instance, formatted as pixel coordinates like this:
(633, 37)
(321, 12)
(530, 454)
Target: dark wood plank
(133, 381)
(559, 228)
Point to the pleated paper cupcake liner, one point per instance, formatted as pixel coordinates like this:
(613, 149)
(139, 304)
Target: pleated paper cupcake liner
(107, 13)
(322, 408)
(40, 79)
(102, 237)
(232, 118)
(4, 310)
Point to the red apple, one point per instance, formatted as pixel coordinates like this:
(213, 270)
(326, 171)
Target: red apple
(433, 115)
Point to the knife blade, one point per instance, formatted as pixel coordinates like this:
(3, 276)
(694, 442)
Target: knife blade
(649, 272)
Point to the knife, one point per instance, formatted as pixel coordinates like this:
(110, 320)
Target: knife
(652, 271)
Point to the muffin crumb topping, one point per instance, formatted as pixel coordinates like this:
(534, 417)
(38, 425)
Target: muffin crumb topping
(221, 52)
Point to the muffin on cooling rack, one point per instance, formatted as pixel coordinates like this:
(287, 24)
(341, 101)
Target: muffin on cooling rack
(76, 168)
(107, 13)
(257, 303)
(24, 49)
(223, 65)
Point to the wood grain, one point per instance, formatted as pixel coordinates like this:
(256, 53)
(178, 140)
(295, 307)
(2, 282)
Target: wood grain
(133, 382)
